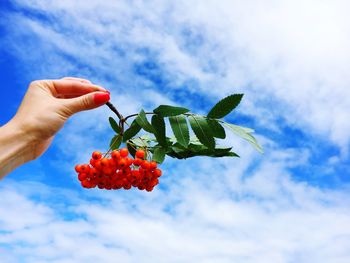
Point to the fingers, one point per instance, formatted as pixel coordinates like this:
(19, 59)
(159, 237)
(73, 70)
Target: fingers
(77, 79)
(86, 102)
(74, 87)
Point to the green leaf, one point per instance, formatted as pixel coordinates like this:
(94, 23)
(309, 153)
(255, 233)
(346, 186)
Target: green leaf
(202, 130)
(201, 150)
(114, 125)
(222, 152)
(141, 119)
(180, 152)
(178, 148)
(158, 124)
(225, 106)
(139, 142)
(166, 110)
(115, 142)
(217, 129)
(179, 126)
(132, 131)
(158, 154)
(131, 149)
(245, 134)
(230, 154)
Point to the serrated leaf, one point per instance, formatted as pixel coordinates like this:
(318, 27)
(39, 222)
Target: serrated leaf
(202, 130)
(146, 137)
(140, 142)
(201, 150)
(178, 148)
(158, 124)
(141, 119)
(225, 106)
(180, 152)
(115, 142)
(248, 130)
(167, 110)
(230, 154)
(217, 129)
(132, 131)
(180, 129)
(173, 154)
(131, 149)
(114, 125)
(244, 134)
(158, 154)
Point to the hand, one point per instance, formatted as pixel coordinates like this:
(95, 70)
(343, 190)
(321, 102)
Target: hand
(44, 110)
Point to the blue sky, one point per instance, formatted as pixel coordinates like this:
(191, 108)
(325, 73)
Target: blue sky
(291, 61)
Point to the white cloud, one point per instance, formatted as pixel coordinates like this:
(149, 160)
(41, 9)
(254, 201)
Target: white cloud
(207, 214)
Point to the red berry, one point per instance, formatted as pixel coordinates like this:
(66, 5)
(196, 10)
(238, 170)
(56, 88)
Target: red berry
(92, 162)
(145, 164)
(142, 171)
(137, 162)
(157, 172)
(136, 173)
(124, 152)
(126, 170)
(127, 186)
(94, 173)
(85, 184)
(82, 177)
(78, 168)
(129, 161)
(113, 163)
(154, 182)
(140, 154)
(149, 188)
(115, 155)
(141, 187)
(96, 155)
(119, 184)
(108, 186)
(135, 177)
(107, 170)
(104, 162)
(149, 175)
(98, 165)
(152, 165)
(85, 168)
(122, 163)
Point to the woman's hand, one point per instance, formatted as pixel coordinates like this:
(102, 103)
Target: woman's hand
(43, 111)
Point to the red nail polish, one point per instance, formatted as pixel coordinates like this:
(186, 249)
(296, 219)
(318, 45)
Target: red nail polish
(101, 98)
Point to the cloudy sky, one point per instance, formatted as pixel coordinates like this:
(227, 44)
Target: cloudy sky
(290, 58)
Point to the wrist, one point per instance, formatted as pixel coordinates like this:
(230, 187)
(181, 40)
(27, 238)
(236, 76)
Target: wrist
(16, 147)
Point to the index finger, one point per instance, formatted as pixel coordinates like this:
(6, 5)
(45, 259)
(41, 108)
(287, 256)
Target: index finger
(68, 87)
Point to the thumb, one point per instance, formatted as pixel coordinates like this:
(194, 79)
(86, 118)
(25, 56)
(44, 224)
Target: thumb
(87, 102)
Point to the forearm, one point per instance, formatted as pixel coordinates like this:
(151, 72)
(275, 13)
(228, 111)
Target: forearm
(16, 148)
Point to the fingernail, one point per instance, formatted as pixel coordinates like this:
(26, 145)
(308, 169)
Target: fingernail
(101, 98)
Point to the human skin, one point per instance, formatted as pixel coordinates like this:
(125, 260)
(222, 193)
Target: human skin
(45, 108)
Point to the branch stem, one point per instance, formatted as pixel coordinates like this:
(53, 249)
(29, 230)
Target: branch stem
(114, 109)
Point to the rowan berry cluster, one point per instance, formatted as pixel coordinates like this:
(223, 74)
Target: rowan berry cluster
(119, 171)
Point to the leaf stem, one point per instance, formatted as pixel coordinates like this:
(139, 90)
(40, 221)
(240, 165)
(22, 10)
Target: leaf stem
(135, 114)
(114, 109)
